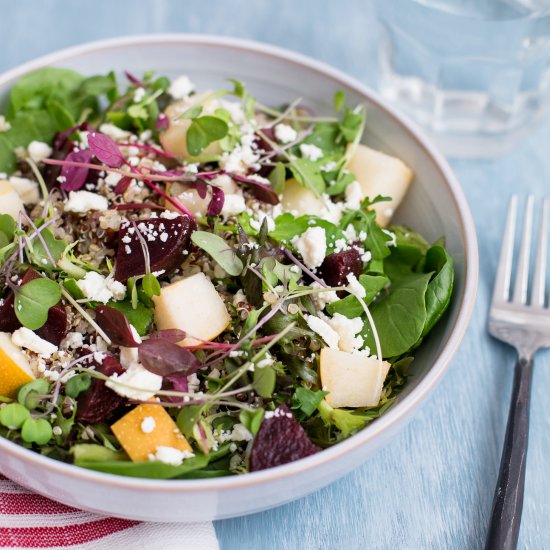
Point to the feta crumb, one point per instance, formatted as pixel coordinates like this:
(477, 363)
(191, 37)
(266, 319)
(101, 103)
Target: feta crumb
(100, 289)
(139, 94)
(285, 133)
(348, 330)
(169, 215)
(38, 150)
(26, 338)
(112, 178)
(148, 425)
(240, 433)
(83, 201)
(312, 246)
(27, 189)
(329, 166)
(113, 131)
(324, 330)
(354, 195)
(181, 87)
(233, 205)
(4, 124)
(321, 299)
(144, 384)
(311, 152)
(170, 455)
(73, 340)
(393, 239)
(355, 287)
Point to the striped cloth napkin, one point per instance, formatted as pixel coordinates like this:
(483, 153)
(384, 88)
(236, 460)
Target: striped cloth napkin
(28, 520)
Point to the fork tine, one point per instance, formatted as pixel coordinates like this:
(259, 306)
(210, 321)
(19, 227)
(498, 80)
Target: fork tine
(501, 291)
(539, 278)
(522, 275)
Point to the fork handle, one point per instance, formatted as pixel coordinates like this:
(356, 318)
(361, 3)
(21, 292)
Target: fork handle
(508, 499)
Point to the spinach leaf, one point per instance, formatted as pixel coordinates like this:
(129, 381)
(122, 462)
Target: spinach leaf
(308, 174)
(222, 252)
(400, 315)
(439, 291)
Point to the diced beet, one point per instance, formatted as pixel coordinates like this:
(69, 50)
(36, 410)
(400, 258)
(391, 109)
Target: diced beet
(280, 440)
(98, 403)
(338, 265)
(166, 240)
(55, 328)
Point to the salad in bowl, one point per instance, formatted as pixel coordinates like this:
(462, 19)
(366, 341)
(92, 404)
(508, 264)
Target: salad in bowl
(195, 284)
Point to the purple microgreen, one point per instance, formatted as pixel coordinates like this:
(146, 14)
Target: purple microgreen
(176, 382)
(173, 335)
(162, 122)
(134, 79)
(62, 137)
(40, 238)
(164, 358)
(149, 149)
(261, 191)
(75, 175)
(122, 185)
(216, 203)
(116, 326)
(105, 149)
(201, 187)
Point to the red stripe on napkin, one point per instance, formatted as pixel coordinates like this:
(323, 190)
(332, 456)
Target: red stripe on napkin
(70, 535)
(29, 503)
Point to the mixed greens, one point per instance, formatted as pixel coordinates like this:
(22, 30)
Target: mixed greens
(195, 284)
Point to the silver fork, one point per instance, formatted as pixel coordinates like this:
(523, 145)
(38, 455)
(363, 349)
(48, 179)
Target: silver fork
(526, 326)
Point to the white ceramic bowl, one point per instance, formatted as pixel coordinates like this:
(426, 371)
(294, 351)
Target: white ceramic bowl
(435, 206)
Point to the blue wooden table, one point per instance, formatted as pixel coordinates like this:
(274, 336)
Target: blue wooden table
(432, 487)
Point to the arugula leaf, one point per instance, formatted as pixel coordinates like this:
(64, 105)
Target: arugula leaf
(352, 125)
(203, 131)
(264, 381)
(326, 136)
(33, 301)
(287, 227)
(277, 178)
(307, 400)
(308, 174)
(220, 250)
(252, 419)
(346, 421)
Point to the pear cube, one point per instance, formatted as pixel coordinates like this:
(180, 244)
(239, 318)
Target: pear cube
(194, 306)
(351, 379)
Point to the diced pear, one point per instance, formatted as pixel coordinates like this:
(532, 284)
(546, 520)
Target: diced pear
(194, 306)
(380, 174)
(15, 370)
(10, 201)
(174, 139)
(299, 200)
(351, 379)
(139, 443)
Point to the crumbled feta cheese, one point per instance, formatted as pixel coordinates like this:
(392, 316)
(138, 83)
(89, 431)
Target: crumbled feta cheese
(112, 178)
(83, 201)
(100, 289)
(239, 160)
(114, 132)
(240, 433)
(148, 425)
(144, 384)
(311, 152)
(4, 124)
(285, 133)
(233, 205)
(330, 166)
(170, 455)
(393, 239)
(324, 330)
(181, 87)
(169, 215)
(355, 287)
(139, 94)
(27, 189)
(312, 246)
(321, 299)
(38, 150)
(235, 111)
(347, 330)
(351, 234)
(73, 340)
(26, 338)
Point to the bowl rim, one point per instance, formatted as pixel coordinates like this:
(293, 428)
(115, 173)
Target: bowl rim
(398, 413)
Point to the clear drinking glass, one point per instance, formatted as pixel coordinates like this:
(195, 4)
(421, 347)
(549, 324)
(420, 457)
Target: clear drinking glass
(474, 73)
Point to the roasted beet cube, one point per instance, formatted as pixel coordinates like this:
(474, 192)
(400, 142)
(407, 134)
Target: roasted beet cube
(338, 265)
(55, 328)
(280, 440)
(165, 239)
(98, 402)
